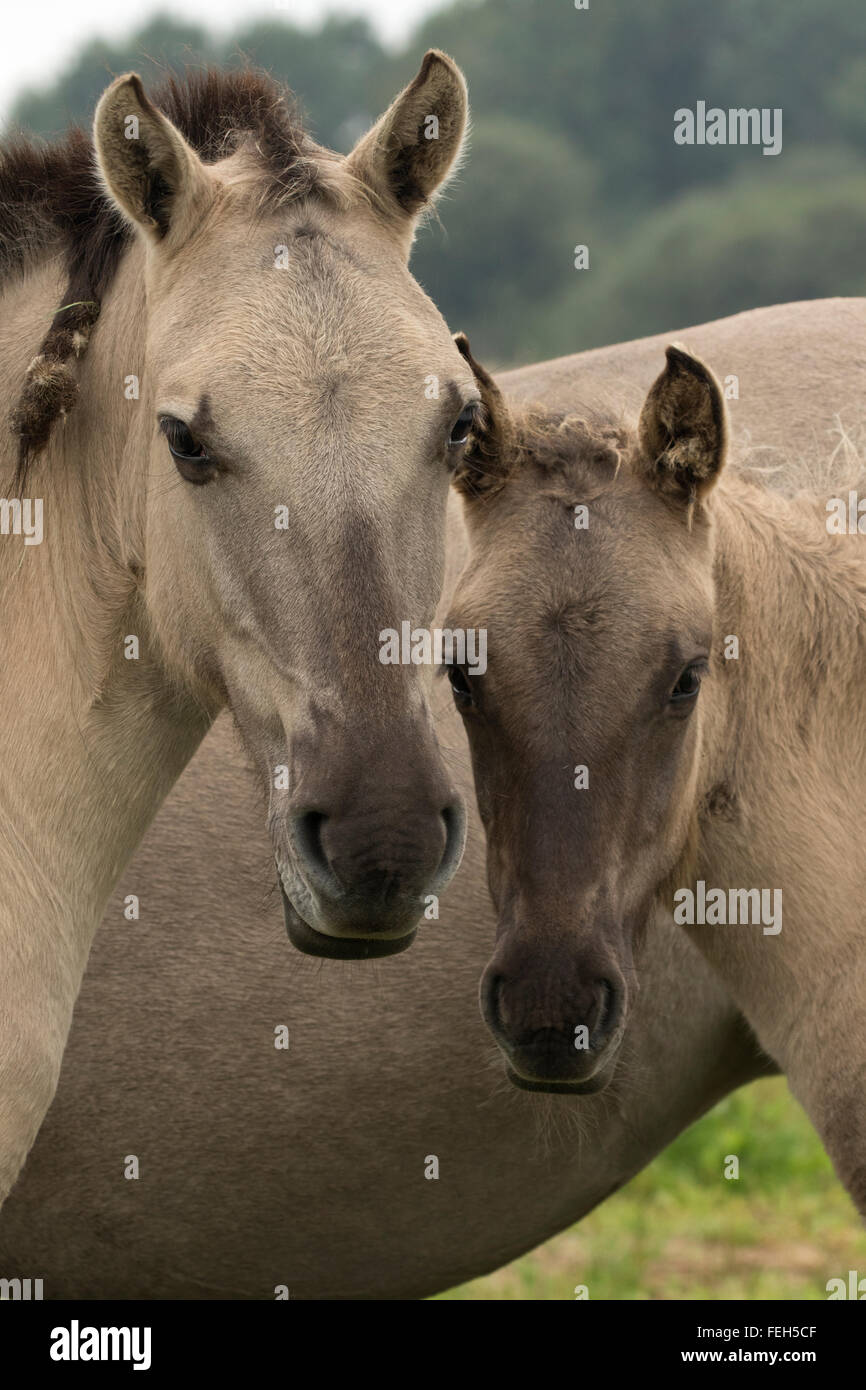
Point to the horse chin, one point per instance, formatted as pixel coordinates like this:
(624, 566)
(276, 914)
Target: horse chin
(315, 943)
(587, 1086)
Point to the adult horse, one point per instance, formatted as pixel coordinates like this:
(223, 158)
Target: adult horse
(305, 1167)
(228, 436)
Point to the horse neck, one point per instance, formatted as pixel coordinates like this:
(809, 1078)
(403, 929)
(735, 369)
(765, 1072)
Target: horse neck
(795, 597)
(92, 740)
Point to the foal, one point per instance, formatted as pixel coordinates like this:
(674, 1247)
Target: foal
(673, 721)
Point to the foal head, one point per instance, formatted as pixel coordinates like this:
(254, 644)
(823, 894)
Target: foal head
(591, 568)
(305, 407)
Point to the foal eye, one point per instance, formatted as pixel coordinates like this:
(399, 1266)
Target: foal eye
(193, 461)
(463, 425)
(461, 687)
(688, 685)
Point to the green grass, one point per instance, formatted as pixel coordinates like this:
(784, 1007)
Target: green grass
(680, 1230)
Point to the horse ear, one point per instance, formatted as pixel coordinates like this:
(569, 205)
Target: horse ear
(683, 429)
(408, 153)
(150, 172)
(487, 457)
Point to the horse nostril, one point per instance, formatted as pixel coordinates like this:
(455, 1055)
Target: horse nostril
(454, 820)
(492, 1003)
(609, 1010)
(308, 828)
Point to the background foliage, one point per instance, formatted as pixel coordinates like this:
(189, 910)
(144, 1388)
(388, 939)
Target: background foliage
(681, 1230)
(573, 143)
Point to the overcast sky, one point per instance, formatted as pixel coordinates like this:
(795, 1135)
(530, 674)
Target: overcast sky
(39, 38)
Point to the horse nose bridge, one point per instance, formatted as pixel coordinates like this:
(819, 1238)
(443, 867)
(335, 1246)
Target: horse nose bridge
(387, 757)
(342, 749)
(557, 853)
(564, 902)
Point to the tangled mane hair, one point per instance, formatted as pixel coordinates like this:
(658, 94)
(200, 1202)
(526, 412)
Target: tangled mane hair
(52, 200)
(558, 443)
(559, 446)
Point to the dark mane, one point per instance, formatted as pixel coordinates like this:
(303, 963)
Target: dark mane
(51, 199)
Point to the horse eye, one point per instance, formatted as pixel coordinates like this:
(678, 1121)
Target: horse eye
(463, 425)
(193, 461)
(460, 687)
(688, 685)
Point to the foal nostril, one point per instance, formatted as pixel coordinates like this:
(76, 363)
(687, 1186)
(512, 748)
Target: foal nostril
(608, 1012)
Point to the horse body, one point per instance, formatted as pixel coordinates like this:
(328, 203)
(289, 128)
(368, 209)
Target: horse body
(306, 1167)
(790, 741)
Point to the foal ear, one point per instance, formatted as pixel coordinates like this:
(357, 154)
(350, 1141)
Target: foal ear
(150, 172)
(487, 457)
(683, 429)
(408, 153)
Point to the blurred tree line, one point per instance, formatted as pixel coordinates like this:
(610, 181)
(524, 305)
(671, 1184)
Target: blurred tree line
(573, 144)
